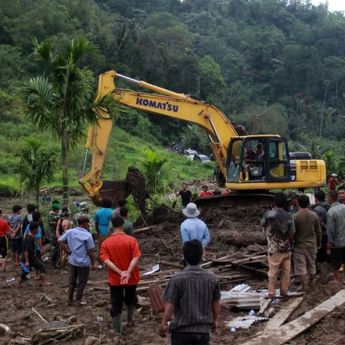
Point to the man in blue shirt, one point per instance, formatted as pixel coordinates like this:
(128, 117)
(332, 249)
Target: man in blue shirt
(78, 244)
(193, 228)
(102, 223)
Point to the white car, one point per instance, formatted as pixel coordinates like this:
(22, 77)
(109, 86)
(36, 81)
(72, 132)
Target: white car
(202, 158)
(190, 154)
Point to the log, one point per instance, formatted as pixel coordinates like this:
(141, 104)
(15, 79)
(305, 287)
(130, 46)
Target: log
(171, 264)
(141, 230)
(242, 238)
(251, 259)
(293, 328)
(264, 306)
(39, 315)
(4, 329)
(256, 271)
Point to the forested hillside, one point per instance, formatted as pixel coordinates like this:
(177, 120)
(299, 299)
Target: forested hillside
(275, 66)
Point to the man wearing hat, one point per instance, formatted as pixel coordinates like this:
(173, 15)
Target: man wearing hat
(193, 228)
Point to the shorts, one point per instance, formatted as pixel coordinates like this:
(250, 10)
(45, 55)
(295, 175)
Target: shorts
(338, 257)
(304, 261)
(16, 245)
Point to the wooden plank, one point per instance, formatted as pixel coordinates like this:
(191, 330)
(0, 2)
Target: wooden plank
(248, 260)
(141, 230)
(256, 271)
(296, 327)
(264, 306)
(283, 314)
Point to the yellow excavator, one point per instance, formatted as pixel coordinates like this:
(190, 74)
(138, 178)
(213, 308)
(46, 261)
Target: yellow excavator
(246, 163)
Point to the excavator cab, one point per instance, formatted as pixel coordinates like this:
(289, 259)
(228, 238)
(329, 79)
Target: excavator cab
(255, 159)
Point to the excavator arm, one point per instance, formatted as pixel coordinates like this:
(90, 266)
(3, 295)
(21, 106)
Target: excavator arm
(276, 169)
(162, 102)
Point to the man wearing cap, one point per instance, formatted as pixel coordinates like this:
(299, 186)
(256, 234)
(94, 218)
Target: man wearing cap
(332, 182)
(53, 217)
(193, 228)
(293, 202)
(79, 245)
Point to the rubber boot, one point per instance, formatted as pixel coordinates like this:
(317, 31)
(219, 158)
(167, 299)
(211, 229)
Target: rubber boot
(130, 314)
(70, 296)
(247, 175)
(117, 324)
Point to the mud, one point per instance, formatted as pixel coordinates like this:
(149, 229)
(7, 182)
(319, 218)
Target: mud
(161, 243)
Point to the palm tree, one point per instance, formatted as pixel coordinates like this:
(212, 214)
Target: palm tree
(61, 99)
(36, 165)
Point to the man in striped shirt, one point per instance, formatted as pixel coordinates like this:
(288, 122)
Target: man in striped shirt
(192, 295)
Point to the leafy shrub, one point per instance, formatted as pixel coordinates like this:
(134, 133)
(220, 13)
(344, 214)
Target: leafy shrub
(8, 190)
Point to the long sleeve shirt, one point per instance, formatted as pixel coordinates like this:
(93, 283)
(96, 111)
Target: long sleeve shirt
(336, 225)
(195, 229)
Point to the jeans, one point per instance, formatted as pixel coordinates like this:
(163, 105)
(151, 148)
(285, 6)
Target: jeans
(120, 294)
(190, 338)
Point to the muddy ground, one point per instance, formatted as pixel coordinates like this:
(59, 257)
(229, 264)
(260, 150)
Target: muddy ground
(159, 244)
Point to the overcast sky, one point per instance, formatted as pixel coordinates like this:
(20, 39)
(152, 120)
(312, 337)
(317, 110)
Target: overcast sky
(333, 5)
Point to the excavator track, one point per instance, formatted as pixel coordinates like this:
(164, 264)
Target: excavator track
(235, 206)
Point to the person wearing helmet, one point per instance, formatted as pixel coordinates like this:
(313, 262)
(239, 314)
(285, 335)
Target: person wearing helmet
(84, 211)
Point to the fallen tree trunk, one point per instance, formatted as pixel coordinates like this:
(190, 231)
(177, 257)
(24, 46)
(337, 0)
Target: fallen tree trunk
(242, 238)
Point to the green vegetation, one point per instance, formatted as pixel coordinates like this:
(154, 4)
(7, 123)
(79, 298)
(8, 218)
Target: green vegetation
(274, 65)
(36, 165)
(61, 101)
(126, 150)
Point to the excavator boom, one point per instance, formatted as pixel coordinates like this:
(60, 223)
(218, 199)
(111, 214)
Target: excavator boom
(270, 168)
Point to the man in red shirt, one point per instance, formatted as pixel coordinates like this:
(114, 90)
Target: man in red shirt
(332, 182)
(205, 192)
(4, 230)
(121, 253)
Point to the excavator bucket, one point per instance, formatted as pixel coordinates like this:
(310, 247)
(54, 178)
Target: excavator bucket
(114, 191)
(134, 184)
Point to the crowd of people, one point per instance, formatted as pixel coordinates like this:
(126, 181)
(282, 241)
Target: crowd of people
(299, 235)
